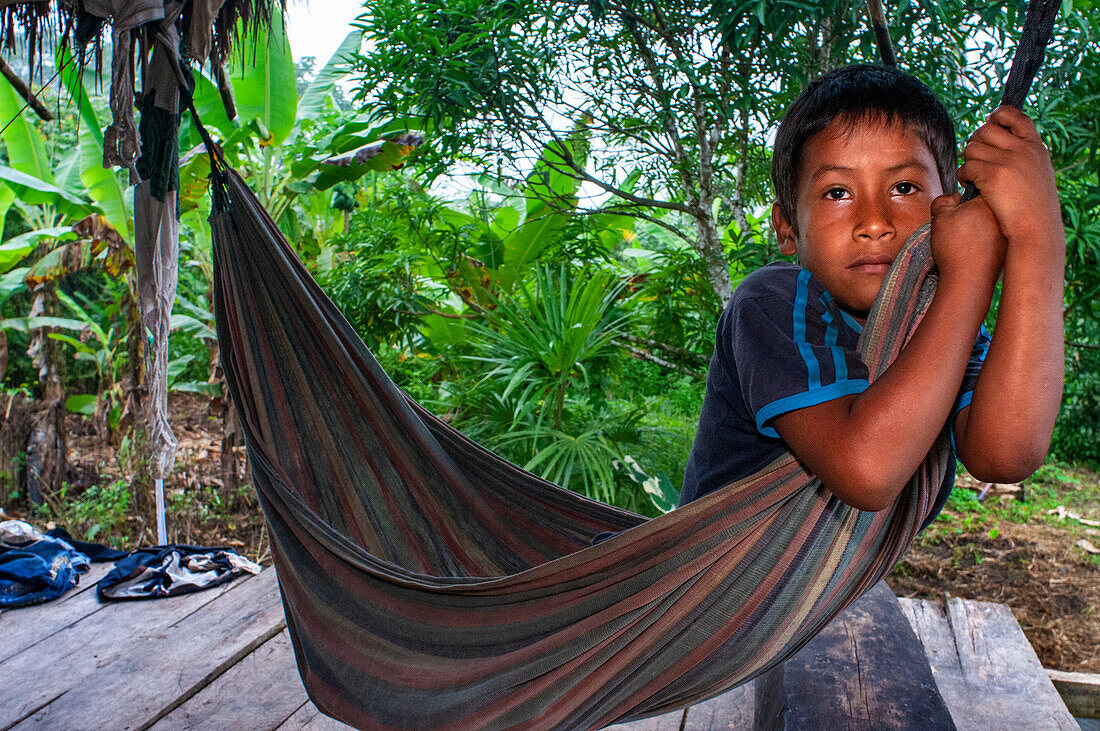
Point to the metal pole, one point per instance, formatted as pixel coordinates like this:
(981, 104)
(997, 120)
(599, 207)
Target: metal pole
(162, 529)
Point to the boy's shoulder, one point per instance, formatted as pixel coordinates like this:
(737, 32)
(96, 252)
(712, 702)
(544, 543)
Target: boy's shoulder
(780, 281)
(787, 298)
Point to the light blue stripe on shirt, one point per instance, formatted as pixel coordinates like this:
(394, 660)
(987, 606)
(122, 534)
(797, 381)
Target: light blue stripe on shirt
(840, 365)
(801, 301)
(804, 399)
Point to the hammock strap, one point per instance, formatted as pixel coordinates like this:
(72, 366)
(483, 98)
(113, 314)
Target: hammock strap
(1030, 51)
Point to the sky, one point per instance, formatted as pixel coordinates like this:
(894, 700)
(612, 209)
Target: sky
(316, 28)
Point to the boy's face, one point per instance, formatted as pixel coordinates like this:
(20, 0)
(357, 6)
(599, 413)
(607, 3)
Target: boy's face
(862, 190)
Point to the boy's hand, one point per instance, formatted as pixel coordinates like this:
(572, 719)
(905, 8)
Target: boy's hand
(1011, 167)
(967, 243)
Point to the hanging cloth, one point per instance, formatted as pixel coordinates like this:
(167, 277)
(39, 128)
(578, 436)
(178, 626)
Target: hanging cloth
(429, 583)
(156, 234)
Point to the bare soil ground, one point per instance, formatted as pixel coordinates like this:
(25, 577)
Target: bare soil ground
(1020, 553)
(1002, 549)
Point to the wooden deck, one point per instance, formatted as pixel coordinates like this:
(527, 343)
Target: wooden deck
(222, 659)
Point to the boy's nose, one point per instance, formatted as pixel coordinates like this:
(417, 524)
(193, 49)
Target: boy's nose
(875, 221)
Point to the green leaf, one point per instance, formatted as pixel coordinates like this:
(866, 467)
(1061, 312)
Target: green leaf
(209, 105)
(12, 282)
(551, 199)
(18, 324)
(194, 182)
(659, 488)
(72, 78)
(200, 387)
(312, 102)
(25, 145)
(103, 184)
(261, 69)
(78, 346)
(81, 404)
(65, 323)
(33, 190)
(192, 326)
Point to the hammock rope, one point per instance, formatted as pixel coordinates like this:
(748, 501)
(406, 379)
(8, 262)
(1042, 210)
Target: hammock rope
(428, 583)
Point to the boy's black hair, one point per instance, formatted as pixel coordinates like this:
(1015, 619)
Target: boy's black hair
(855, 93)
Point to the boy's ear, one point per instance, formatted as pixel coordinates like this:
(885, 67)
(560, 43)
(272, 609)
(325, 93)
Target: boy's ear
(784, 231)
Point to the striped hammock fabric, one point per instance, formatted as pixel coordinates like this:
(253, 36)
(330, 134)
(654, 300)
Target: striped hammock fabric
(429, 583)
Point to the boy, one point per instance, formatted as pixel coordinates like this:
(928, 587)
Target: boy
(862, 159)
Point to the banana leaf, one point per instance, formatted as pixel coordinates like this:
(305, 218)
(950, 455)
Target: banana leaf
(261, 69)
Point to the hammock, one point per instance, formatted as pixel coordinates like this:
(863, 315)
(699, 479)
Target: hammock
(429, 583)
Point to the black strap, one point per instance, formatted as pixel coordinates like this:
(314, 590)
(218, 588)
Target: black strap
(1038, 27)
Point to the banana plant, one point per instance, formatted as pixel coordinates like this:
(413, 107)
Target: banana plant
(274, 126)
(27, 182)
(105, 186)
(103, 345)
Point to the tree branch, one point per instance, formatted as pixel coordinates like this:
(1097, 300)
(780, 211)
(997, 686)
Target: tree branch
(645, 355)
(24, 91)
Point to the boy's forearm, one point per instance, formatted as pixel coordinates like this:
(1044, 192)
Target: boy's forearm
(1005, 434)
(866, 447)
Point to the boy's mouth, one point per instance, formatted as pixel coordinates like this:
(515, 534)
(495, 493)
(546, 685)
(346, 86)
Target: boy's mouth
(872, 264)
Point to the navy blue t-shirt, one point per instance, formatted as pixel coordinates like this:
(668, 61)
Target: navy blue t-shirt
(782, 344)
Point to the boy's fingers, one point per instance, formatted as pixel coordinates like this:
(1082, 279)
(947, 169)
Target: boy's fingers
(980, 172)
(994, 135)
(945, 204)
(1015, 121)
(979, 150)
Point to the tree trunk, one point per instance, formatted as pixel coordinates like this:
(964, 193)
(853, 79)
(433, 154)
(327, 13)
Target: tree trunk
(46, 451)
(133, 380)
(15, 430)
(232, 437)
(232, 431)
(101, 418)
(710, 248)
(3, 354)
(737, 200)
(46, 445)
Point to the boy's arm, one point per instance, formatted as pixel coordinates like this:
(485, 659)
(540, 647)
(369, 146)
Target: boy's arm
(1004, 434)
(865, 447)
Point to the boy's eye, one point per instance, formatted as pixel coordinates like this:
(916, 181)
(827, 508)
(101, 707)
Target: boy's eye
(836, 194)
(905, 188)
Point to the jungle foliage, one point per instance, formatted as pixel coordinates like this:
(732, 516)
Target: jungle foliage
(532, 212)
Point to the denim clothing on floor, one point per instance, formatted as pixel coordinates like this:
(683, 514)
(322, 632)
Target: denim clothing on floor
(34, 567)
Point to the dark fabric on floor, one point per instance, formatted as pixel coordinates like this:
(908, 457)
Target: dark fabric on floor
(97, 552)
(160, 571)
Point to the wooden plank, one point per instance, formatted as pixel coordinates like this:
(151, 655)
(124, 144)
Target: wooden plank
(26, 626)
(30, 679)
(731, 710)
(260, 692)
(145, 672)
(308, 718)
(866, 670)
(994, 652)
(672, 721)
(986, 671)
(164, 668)
(734, 709)
(1079, 691)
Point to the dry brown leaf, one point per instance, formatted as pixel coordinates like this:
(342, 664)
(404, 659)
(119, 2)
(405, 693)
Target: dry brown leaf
(1087, 546)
